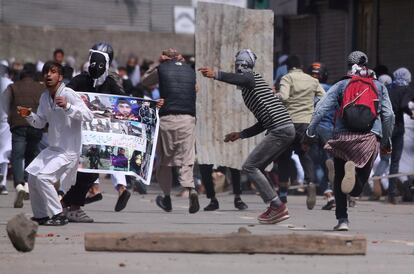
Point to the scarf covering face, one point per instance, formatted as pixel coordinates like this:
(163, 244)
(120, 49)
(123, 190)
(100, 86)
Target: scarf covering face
(402, 77)
(98, 66)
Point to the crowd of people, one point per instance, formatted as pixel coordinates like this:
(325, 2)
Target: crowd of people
(330, 139)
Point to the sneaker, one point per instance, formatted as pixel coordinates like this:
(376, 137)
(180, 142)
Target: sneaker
(239, 204)
(311, 196)
(348, 182)
(78, 216)
(122, 200)
(274, 215)
(392, 199)
(20, 192)
(3, 190)
(194, 205)
(331, 170)
(94, 198)
(164, 202)
(40, 221)
(213, 205)
(343, 225)
(57, 220)
(26, 190)
(329, 205)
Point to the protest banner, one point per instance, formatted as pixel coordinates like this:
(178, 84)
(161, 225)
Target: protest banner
(122, 136)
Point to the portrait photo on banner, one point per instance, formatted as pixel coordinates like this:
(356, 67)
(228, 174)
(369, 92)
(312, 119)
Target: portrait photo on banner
(122, 136)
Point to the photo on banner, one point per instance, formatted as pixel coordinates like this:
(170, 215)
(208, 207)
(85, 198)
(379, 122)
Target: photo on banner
(122, 136)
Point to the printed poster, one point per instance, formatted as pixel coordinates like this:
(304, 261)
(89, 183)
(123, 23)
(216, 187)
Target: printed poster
(122, 136)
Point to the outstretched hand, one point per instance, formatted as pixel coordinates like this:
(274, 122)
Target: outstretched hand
(207, 72)
(233, 136)
(160, 103)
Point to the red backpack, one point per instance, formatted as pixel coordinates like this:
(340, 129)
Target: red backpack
(359, 106)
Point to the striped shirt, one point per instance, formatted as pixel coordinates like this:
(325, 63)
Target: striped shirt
(265, 106)
(260, 100)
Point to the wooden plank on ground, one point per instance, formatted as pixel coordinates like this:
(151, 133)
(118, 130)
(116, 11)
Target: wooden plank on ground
(227, 243)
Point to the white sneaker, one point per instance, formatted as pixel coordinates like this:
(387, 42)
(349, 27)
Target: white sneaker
(3, 190)
(341, 226)
(26, 189)
(78, 216)
(20, 193)
(348, 182)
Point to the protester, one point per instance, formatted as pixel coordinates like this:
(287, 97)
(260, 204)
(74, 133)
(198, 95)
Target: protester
(5, 134)
(298, 91)
(64, 111)
(323, 133)
(96, 80)
(272, 116)
(25, 138)
(207, 180)
(401, 94)
(358, 126)
(176, 139)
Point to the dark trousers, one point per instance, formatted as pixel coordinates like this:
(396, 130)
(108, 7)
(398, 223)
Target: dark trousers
(361, 177)
(77, 193)
(25, 147)
(305, 160)
(207, 180)
(397, 141)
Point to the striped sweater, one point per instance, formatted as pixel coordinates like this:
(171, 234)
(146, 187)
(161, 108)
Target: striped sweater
(260, 100)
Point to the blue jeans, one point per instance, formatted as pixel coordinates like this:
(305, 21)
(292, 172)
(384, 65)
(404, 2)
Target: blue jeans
(25, 147)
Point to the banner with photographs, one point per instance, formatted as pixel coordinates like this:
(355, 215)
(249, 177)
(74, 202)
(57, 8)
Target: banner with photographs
(121, 138)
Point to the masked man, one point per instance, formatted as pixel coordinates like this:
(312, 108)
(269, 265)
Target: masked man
(98, 79)
(272, 116)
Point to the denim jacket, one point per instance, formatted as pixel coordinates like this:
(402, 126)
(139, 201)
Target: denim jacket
(383, 125)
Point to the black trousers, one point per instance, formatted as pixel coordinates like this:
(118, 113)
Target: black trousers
(207, 180)
(361, 177)
(77, 193)
(284, 160)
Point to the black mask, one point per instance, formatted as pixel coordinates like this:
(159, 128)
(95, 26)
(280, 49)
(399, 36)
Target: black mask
(97, 65)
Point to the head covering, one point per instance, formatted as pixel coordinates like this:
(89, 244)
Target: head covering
(245, 61)
(402, 77)
(357, 58)
(385, 79)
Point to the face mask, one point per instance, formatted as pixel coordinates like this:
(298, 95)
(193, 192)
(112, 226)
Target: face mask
(242, 66)
(97, 65)
(245, 61)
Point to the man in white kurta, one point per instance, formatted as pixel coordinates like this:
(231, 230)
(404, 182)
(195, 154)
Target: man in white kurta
(5, 137)
(64, 110)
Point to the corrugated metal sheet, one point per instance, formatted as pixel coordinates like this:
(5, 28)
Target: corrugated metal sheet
(322, 37)
(220, 32)
(301, 37)
(334, 40)
(396, 34)
(162, 14)
(132, 15)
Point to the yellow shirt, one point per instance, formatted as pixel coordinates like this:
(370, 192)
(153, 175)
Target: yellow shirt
(298, 91)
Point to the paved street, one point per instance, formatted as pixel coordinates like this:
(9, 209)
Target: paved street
(389, 229)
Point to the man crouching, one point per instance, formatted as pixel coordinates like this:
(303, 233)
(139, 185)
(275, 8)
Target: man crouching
(64, 111)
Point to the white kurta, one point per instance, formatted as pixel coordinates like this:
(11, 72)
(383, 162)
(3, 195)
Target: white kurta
(5, 134)
(64, 136)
